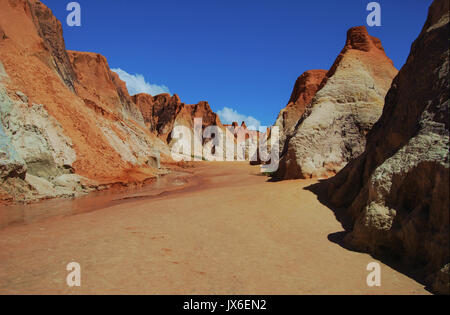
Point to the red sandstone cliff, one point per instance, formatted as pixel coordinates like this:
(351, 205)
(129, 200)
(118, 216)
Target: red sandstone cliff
(96, 83)
(67, 121)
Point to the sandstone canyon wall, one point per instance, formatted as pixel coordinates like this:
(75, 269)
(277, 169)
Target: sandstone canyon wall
(67, 123)
(397, 191)
(161, 113)
(344, 105)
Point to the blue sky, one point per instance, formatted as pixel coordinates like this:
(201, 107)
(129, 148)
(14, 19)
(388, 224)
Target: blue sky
(241, 54)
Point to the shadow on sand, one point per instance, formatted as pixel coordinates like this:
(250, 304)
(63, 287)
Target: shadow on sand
(394, 262)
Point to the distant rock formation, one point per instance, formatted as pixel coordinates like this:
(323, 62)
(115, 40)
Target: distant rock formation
(162, 112)
(242, 133)
(397, 191)
(67, 123)
(349, 100)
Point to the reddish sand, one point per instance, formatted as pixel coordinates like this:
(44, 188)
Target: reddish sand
(230, 233)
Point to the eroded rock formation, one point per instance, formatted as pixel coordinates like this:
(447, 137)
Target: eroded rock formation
(67, 123)
(162, 112)
(349, 100)
(397, 191)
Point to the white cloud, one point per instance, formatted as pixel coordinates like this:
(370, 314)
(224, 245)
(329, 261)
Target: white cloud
(228, 115)
(136, 84)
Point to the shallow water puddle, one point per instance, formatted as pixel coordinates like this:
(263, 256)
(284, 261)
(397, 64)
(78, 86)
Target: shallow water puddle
(20, 214)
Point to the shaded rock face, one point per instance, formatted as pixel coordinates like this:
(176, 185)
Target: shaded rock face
(159, 111)
(349, 100)
(50, 30)
(305, 89)
(67, 123)
(397, 191)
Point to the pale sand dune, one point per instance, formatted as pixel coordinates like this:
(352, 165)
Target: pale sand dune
(235, 233)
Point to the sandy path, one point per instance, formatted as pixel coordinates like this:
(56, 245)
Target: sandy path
(234, 234)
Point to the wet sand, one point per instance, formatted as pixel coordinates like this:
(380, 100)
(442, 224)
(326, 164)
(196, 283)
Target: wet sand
(220, 228)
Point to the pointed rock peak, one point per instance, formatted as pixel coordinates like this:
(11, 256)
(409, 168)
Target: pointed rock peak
(312, 74)
(163, 96)
(176, 98)
(235, 124)
(142, 95)
(307, 85)
(204, 104)
(244, 125)
(142, 98)
(358, 38)
(438, 15)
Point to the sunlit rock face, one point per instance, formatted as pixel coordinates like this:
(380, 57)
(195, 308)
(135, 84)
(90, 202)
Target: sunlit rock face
(67, 123)
(397, 191)
(349, 100)
(163, 113)
(305, 89)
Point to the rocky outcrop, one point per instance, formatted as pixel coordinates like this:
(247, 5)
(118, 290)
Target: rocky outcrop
(397, 191)
(67, 123)
(32, 27)
(350, 99)
(162, 112)
(305, 89)
(98, 84)
(242, 133)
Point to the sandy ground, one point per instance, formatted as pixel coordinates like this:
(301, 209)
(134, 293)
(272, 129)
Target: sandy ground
(227, 232)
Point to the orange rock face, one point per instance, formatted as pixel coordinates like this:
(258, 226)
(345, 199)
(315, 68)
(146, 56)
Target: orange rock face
(304, 91)
(82, 116)
(97, 83)
(368, 50)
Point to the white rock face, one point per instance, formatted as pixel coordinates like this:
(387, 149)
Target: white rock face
(305, 89)
(332, 131)
(33, 134)
(132, 144)
(34, 151)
